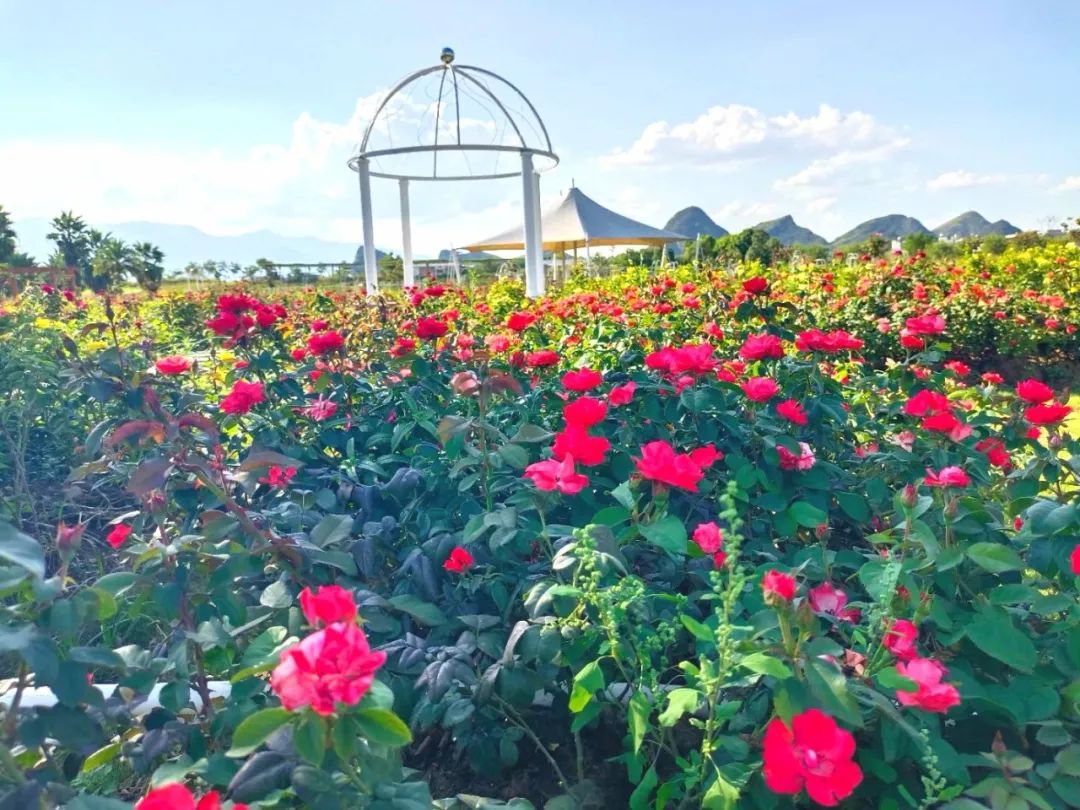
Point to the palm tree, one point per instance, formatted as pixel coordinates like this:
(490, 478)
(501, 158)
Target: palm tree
(146, 265)
(7, 238)
(112, 262)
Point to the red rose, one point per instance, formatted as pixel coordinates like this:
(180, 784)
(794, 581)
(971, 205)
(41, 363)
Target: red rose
(243, 397)
(925, 325)
(575, 441)
(622, 394)
(710, 539)
(177, 797)
(553, 475)
(659, 462)
(814, 340)
(172, 365)
(520, 321)
(120, 532)
(582, 380)
(430, 328)
(333, 665)
(298, 354)
(901, 639)
(544, 357)
(932, 695)
(760, 389)
(1034, 392)
(947, 477)
(459, 561)
(706, 456)
(278, 477)
(827, 598)
(1074, 560)
(327, 604)
(324, 343)
(1048, 414)
(761, 347)
(778, 585)
(813, 753)
(755, 285)
(792, 411)
(992, 378)
(927, 403)
(584, 412)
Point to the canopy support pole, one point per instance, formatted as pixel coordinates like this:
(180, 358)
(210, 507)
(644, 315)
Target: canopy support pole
(588, 258)
(533, 275)
(408, 275)
(371, 267)
(542, 275)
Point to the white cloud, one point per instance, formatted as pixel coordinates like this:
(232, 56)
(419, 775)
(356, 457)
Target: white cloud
(823, 170)
(964, 179)
(749, 213)
(820, 205)
(723, 137)
(1071, 183)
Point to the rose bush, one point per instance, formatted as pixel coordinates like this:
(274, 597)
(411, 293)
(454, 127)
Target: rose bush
(681, 541)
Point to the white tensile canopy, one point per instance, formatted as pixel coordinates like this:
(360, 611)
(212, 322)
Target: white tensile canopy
(581, 222)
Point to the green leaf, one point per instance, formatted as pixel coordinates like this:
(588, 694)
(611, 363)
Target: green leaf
(639, 799)
(332, 529)
(995, 557)
(721, 795)
(829, 686)
(854, 506)
(668, 533)
(424, 612)
(276, 595)
(806, 514)
(309, 738)
(255, 728)
(96, 657)
(994, 633)
(680, 702)
(764, 664)
(588, 680)
(101, 757)
(891, 679)
(21, 549)
(383, 726)
(531, 434)
(639, 709)
(117, 582)
(700, 631)
(515, 455)
(89, 802)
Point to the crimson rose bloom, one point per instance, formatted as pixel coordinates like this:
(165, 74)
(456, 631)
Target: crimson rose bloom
(932, 695)
(760, 389)
(575, 441)
(172, 365)
(327, 604)
(1048, 414)
(430, 328)
(926, 325)
(243, 397)
(827, 598)
(333, 665)
(710, 539)
(756, 285)
(1034, 392)
(622, 394)
(813, 753)
(584, 412)
(659, 462)
(552, 475)
(1074, 561)
(459, 561)
(324, 343)
(760, 347)
(901, 639)
(120, 532)
(520, 321)
(947, 477)
(793, 411)
(777, 584)
(544, 357)
(582, 380)
(177, 797)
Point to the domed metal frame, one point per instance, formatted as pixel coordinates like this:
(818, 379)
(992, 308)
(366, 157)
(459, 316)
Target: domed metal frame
(530, 154)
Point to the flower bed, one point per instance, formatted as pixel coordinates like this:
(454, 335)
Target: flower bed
(698, 541)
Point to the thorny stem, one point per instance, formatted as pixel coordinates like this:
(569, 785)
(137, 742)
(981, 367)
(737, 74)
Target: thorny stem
(11, 720)
(518, 721)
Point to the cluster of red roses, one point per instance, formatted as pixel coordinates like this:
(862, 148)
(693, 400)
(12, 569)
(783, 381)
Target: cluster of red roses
(233, 322)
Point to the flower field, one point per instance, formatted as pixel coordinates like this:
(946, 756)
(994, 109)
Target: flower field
(803, 536)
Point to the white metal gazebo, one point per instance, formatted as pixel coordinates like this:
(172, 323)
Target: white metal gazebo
(446, 144)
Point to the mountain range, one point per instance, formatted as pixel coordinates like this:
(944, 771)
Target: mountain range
(693, 221)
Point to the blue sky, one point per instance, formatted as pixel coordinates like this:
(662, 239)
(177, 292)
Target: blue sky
(239, 116)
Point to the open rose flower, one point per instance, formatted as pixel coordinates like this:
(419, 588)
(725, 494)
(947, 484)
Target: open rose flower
(901, 639)
(118, 535)
(459, 561)
(1049, 413)
(327, 604)
(802, 462)
(812, 753)
(622, 394)
(659, 462)
(932, 695)
(792, 411)
(776, 585)
(827, 598)
(172, 365)
(243, 397)
(331, 666)
(577, 442)
(177, 797)
(760, 389)
(553, 475)
(584, 412)
(582, 380)
(947, 477)
(1034, 392)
